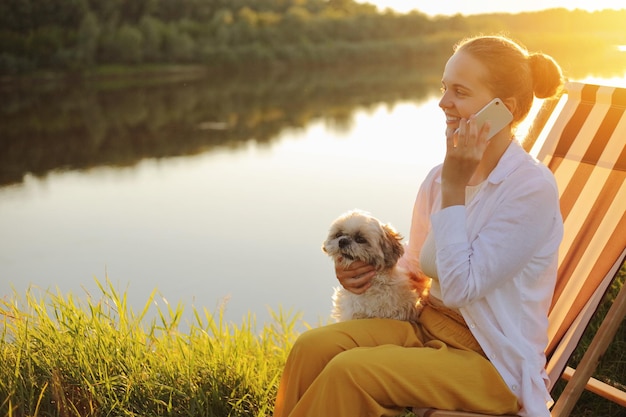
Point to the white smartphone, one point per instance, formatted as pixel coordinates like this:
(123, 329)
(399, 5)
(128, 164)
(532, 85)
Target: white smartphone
(496, 112)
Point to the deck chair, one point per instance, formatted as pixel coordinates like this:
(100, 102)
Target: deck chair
(581, 137)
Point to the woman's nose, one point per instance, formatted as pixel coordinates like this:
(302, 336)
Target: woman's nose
(444, 102)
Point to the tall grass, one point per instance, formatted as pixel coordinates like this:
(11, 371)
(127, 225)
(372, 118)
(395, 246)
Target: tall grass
(63, 357)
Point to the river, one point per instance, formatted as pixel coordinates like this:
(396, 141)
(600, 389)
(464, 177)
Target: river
(217, 196)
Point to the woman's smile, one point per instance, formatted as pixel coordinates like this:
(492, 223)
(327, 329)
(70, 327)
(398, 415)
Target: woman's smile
(452, 120)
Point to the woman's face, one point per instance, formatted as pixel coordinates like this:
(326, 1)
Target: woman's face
(464, 89)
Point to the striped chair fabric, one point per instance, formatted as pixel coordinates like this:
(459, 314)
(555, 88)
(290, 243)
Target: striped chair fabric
(582, 139)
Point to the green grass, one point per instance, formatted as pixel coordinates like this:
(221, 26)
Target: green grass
(60, 356)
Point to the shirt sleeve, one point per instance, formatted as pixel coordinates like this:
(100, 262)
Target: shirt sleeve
(420, 222)
(522, 224)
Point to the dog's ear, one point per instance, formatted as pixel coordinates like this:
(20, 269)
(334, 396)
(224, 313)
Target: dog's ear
(392, 246)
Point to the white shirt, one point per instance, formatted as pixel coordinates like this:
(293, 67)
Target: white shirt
(428, 252)
(496, 263)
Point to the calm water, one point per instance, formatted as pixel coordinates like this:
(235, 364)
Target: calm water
(238, 226)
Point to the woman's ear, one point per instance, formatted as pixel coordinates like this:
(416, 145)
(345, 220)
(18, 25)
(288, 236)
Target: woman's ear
(511, 104)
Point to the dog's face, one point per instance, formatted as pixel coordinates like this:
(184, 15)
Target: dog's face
(358, 236)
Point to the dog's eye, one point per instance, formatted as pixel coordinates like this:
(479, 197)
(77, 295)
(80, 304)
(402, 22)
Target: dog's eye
(338, 235)
(360, 239)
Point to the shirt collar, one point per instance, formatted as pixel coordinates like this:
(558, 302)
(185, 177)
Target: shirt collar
(511, 159)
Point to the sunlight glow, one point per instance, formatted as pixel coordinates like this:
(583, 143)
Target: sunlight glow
(617, 81)
(452, 7)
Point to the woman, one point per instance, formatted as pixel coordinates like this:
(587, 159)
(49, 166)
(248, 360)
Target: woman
(486, 229)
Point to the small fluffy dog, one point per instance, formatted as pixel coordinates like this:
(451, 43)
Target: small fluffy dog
(356, 235)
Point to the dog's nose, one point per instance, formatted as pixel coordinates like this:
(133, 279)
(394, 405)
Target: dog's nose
(343, 242)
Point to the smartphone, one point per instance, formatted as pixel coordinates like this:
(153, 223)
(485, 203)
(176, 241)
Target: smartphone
(496, 112)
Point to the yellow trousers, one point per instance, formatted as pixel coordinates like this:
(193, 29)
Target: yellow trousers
(377, 367)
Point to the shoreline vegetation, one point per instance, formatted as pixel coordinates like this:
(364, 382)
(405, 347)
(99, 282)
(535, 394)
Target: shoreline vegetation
(87, 39)
(65, 356)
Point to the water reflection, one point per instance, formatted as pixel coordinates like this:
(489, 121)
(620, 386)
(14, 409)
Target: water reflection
(208, 189)
(82, 126)
(245, 224)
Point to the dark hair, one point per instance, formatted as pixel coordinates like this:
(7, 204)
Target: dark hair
(514, 72)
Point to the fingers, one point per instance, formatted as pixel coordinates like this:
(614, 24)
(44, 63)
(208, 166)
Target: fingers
(465, 149)
(352, 269)
(358, 284)
(355, 277)
(420, 283)
(467, 135)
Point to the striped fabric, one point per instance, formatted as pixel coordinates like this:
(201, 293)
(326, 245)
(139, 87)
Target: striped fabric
(585, 148)
(582, 139)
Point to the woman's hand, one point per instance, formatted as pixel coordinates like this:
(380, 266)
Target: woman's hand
(465, 149)
(356, 277)
(420, 282)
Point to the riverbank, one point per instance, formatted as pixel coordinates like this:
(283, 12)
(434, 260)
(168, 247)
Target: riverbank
(63, 355)
(111, 75)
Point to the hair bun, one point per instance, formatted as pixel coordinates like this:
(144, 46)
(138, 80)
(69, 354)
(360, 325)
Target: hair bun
(547, 75)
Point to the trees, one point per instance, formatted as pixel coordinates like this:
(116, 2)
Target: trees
(80, 34)
(88, 34)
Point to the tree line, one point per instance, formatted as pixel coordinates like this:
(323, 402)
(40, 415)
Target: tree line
(79, 35)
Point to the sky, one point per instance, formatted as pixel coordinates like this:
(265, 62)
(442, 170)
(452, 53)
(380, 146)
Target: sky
(451, 7)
